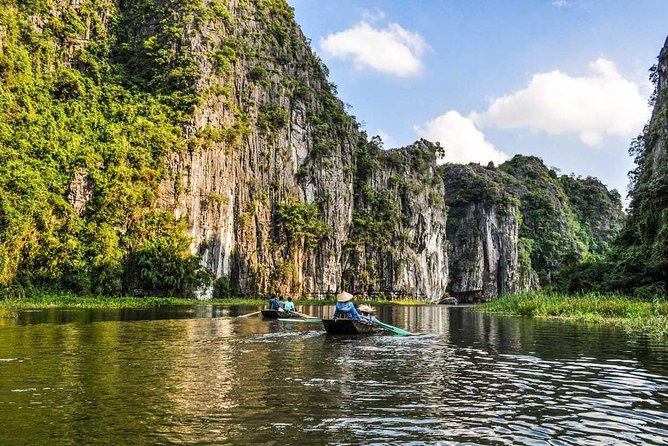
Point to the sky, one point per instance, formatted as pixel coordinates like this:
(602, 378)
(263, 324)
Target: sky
(564, 80)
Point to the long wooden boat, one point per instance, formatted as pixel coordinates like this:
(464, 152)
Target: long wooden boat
(275, 314)
(349, 326)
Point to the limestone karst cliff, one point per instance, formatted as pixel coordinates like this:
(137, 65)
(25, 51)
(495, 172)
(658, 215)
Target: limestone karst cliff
(638, 262)
(143, 140)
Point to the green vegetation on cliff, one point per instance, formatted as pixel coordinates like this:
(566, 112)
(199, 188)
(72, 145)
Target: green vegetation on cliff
(122, 120)
(561, 220)
(72, 127)
(638, 261)
(564, 217)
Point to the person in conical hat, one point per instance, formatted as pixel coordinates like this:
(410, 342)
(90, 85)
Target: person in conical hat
(345, 307)
(367, 312)
(344, 296)
(365, 309)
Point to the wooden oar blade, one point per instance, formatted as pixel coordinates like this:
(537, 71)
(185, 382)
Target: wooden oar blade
(250, 314)
(292, 319)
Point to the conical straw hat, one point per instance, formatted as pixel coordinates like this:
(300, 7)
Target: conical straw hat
(366, 309)
(344, 297)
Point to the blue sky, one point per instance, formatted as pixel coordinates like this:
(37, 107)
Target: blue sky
(565, 80)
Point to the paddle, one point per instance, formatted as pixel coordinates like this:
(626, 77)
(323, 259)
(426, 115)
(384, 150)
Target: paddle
(251, 314)
(301, 315)
(393, 329)
(299, 320)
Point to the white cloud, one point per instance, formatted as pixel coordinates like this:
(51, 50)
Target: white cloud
(393, 49)
(462, 141)
(559, 3)
(591, 107)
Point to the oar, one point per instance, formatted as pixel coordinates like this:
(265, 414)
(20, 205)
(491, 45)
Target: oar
(301, 315)
(304, 316)
(393, 329)
(291, 319)
(251, 314)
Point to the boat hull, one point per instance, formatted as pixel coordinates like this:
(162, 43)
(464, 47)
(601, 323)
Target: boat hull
(349, 326)
(275, 314)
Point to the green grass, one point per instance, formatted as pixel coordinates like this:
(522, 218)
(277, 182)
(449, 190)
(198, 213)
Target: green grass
(633, 314)
(7, 313)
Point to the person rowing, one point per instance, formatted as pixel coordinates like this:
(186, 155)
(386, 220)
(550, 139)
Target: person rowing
(289, 306)
(345, 308)
(367, 313)
(273, 303)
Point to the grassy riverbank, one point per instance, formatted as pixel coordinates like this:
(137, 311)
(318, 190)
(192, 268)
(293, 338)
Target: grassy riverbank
(10, 304)
(631, 313)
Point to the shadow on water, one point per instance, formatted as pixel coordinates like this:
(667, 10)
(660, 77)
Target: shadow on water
(197, 375)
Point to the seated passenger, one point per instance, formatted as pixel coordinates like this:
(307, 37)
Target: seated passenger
(345, 307)
(273, 303)
(367, 313)
(289, 306)
(281, 304)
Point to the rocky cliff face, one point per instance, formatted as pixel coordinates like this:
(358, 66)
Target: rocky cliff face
(483, 227)
(218, 120)
(639, 259)
(296, 147)
(398, 242)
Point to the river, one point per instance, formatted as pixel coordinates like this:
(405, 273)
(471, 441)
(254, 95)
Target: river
(201, 376)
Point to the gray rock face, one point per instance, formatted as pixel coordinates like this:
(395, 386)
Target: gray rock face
(398, 243)
(658, 158)
(229, 188)
(80, 191)
(483, 224)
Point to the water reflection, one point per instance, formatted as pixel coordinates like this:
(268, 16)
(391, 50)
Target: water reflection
(212, 379)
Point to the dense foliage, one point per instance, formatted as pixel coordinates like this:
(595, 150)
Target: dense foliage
(77, 107)
(301, 224)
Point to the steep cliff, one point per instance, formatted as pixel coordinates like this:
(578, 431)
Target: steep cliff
(214, 111)
(171, 146)
(638, 262)
(513, 227)
(562, 215)
(398, 242)
(269, 136)
(483, 227)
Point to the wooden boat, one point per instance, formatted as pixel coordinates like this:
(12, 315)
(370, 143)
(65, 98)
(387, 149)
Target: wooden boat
(349, 326)
(275, 314)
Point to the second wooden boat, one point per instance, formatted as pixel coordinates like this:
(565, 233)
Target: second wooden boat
(275, 314)
(349, 326)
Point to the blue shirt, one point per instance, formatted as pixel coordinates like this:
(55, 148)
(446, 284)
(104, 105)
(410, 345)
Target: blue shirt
(273, 304)
(346, 310)
(289, 306)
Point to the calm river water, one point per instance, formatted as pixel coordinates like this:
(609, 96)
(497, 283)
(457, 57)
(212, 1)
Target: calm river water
(200, 376)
